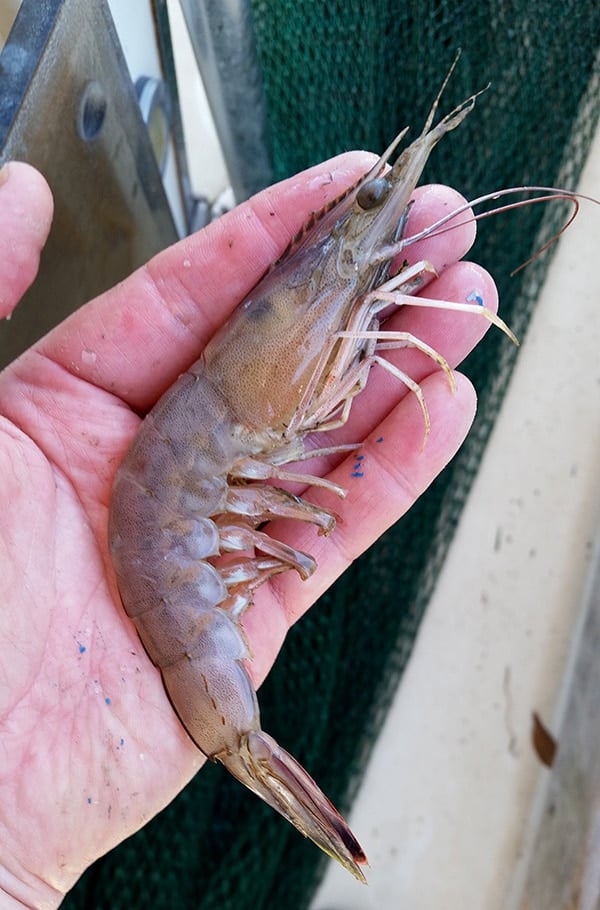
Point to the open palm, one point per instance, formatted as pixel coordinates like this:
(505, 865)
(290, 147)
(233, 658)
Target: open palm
(90, 748)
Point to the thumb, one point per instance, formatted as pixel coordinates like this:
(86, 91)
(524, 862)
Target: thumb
(26, 209)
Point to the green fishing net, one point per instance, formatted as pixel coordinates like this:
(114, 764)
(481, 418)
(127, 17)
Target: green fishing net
(343, 74)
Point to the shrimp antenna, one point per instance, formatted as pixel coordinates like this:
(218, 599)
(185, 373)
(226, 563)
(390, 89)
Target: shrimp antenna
(552, 239)
(438, 97)
(442, 225)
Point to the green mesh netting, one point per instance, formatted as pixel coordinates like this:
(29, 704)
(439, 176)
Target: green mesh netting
(343, 74)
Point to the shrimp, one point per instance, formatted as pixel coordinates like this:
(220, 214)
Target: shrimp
(200, 478)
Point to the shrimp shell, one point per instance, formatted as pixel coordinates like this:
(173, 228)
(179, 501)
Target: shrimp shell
(200, 477)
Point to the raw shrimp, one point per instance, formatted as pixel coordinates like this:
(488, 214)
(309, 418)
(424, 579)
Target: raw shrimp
(200, 478)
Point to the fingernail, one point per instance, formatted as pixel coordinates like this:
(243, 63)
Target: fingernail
(4, 173)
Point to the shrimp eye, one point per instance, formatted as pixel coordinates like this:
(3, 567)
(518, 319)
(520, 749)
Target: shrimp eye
(371, 194)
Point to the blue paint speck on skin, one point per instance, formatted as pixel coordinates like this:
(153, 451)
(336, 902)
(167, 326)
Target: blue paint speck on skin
(357, 474)
(121, 742)
(89, 800)
(379, 439)
(475, 296)
(107, 700)
(82, 649)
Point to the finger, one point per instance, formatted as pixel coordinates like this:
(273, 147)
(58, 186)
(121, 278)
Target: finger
(26, 209)
(450, 333)
(137, 338)
(149, 328)
(433, 202)
(394, 471)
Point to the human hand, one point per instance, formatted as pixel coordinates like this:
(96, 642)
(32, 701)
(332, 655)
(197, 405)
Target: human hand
(90, 746)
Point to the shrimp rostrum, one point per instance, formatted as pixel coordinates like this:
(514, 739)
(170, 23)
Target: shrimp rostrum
(201, 477)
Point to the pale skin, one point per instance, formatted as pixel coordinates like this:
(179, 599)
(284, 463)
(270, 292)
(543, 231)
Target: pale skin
(90, 748)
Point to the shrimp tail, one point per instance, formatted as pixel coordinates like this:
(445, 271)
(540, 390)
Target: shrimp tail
(274, 775)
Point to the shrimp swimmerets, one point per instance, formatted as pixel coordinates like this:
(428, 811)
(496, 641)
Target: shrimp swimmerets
(197, 481)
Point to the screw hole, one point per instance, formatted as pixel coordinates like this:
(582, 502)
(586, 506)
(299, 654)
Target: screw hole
(92, 111)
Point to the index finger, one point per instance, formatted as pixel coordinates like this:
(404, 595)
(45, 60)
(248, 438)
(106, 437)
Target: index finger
(136, 338)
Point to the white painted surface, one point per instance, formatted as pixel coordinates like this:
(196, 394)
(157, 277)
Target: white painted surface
(135, 27)
(444, 806)
(207, 171)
